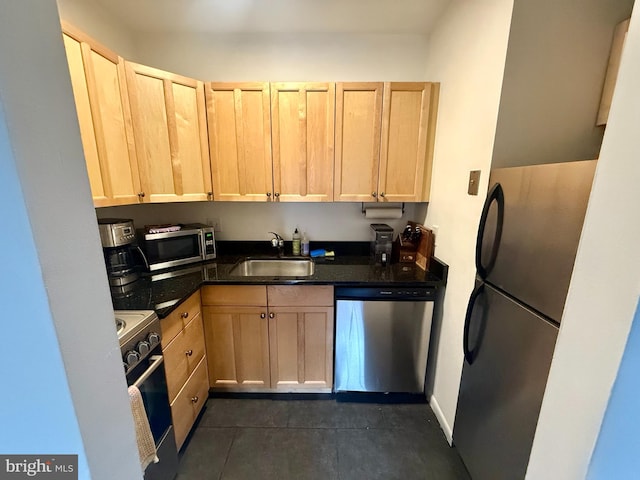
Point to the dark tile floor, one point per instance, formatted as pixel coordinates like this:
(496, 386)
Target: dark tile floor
(318, 439)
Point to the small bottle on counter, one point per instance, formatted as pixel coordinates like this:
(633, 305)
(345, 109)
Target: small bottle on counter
(305, 244)
(296, 242)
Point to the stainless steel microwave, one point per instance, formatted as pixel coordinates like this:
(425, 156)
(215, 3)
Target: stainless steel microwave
(191, 243)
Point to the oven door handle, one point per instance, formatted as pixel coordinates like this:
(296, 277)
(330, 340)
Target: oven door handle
(157, 361)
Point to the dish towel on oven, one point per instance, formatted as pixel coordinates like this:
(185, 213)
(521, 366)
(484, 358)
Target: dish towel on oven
(146, 445)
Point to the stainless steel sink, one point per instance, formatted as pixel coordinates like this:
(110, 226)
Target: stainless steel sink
(273, 267)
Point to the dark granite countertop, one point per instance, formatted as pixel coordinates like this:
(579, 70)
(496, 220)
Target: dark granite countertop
(352, 266)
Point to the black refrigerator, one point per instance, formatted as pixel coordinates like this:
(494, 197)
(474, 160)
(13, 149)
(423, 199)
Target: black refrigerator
(527, 242)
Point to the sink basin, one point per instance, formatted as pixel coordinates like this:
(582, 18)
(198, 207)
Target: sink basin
(273, 267)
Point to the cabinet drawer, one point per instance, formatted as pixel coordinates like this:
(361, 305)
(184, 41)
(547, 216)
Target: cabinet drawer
(300, 295)
(189, 401)
(253, 295)
(183, 354)
(176, 320)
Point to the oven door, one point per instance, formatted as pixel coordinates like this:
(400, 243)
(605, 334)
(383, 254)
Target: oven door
(172, 249)
(149, 377)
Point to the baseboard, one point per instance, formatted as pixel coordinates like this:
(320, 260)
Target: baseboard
(444, 425)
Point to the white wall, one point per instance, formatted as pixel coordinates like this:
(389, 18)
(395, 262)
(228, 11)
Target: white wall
(30, 338)
(71, 296)
(467, 54)
(287, 57)
(98, 23)
(602, 296)
(556, 63)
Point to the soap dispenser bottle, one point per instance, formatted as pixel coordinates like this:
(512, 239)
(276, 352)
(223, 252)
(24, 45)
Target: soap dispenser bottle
(305, 244)
(296, 242)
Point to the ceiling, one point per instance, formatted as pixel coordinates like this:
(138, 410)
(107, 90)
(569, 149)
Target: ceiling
(277, 16)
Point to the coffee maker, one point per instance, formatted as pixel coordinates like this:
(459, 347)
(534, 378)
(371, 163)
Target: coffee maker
(381, 243)
(120, 250)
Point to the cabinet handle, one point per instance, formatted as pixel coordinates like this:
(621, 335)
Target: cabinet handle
(188, 353)
(277, 194)
(269, 194)
(141, 194)
(209, 194)
(382, 194)
(374, 194)
(194, 399)
(263, 315)
(184, 314)
(272, 315)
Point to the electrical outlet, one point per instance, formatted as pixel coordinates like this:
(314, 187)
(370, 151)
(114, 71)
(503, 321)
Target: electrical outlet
(215, 223)
(434, 229)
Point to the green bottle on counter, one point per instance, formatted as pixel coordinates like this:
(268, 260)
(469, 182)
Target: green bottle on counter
(296, 242)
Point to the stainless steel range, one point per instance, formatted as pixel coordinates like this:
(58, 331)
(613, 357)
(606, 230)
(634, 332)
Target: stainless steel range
(139, 336)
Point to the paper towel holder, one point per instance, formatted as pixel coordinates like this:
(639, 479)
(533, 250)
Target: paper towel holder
(364, 210)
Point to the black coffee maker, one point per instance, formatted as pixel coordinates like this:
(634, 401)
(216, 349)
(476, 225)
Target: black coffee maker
(122, 255)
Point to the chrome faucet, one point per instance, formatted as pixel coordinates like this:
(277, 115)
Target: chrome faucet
(277, 242)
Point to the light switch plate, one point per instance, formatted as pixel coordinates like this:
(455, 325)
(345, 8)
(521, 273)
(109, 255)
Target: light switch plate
(474, 182)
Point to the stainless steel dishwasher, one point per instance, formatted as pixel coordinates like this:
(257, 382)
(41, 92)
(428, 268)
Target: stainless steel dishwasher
(382, 339)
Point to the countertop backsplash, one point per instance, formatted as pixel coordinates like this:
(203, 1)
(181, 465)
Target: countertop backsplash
(254, 221)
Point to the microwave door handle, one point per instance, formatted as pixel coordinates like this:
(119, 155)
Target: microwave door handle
(201, 244)
(157, 361)
(144, 257)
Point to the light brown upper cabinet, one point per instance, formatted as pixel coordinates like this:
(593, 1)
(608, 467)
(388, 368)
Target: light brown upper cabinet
(169, 124)
(384, 154)
(239, 122)
(358, 123)
(99, 90)
(303, 141)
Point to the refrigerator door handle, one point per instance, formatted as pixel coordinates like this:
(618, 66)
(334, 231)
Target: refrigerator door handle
(470, 355)
(495, 194)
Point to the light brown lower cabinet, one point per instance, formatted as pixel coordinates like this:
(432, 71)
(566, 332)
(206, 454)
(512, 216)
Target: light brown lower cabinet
(185, 365)
(187, 404)
(269, 338)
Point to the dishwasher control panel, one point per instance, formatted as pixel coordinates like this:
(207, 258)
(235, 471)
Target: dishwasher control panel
(386, 293)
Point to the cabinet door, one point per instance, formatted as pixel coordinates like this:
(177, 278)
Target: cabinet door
(301, 345)
(187, 404)
(182, 355)
(169, 123)
(99, 90)
(237, 344)
(358, 122)
(408, 127)
(239, 122)
(303, 141)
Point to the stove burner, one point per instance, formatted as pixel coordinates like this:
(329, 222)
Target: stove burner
(120, 324)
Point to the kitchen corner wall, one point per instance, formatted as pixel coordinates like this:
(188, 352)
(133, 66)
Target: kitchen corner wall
(60, 363)
(253, 221)
(466, 53)
(99, 24)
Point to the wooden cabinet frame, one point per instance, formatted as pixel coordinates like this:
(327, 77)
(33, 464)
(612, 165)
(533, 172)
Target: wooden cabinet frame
(276, 338)
(168, 125)
(105, 125)
(309, 155)
(241, 163)
(384, 141)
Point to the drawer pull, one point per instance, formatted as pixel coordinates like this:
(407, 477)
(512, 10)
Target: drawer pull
(194, 399)
(263, 315)
(272, 315)
(184, 314)
(188, 353)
